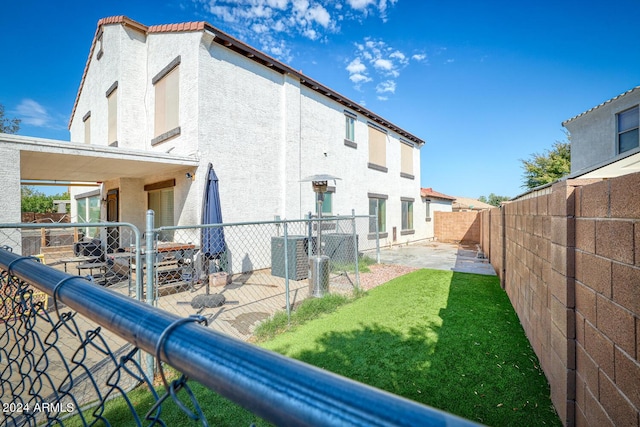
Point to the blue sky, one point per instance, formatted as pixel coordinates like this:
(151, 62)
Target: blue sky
(484, 83)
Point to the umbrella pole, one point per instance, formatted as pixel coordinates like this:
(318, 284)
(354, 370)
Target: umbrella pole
(207, 273)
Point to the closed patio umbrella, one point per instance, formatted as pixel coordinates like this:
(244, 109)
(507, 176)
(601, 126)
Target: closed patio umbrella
(212, 243)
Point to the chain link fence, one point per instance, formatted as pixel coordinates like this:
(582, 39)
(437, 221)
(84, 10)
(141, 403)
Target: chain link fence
(105, 253)
(271, 262)
(236, 275)
(54, 361)
(63, 364)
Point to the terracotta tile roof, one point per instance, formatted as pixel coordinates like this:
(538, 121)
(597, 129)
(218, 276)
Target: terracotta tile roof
(236, 45)
(174, 28)
(468, 203)
(600, 105)
(429, 192)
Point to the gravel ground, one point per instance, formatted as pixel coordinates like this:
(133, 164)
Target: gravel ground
(382, 273)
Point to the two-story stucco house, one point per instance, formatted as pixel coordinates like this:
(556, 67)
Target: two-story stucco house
(193, 92)
(605, 140)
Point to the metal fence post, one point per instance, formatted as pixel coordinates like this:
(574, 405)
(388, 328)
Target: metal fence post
(377, 237)
(355, 246)
(286, 269)
(150, 262)
(149, 256)
(310, 244)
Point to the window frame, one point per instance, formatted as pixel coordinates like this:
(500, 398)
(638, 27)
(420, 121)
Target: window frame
(635, 128)
(350, 129)
(100, 51)
(166, 85)
(90, 212)
(380, 201)
(165, 216)
(86, 120)
(377, 148)
(330, 192)
(406, 160)
(112, 114)
(407, 217)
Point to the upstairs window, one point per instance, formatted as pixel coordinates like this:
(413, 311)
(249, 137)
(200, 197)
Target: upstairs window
(377, 149)
(406, 160)
(350, 129)
(99, 52)
(87, 128)
(167, 102)
(628, 130)
(112, 115)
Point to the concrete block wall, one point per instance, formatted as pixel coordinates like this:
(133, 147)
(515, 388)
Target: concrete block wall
(570, 263)
(457, 226)
(607, 294)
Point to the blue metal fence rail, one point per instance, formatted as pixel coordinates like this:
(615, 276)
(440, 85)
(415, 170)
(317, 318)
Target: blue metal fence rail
(278, 389)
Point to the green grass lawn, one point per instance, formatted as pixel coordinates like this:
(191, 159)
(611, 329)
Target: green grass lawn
(448, 340)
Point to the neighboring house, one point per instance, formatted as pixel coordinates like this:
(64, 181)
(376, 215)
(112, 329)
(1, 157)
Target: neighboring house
(178, 97)
(434, 202)
(465, 204)
(605, 139)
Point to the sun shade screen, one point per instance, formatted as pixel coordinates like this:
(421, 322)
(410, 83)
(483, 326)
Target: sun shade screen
(113, 116)
(406, 159)
(377, 147)
(167, 103)
(87, 130)
(161, 202)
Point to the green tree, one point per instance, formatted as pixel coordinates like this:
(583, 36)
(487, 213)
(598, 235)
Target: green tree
(548, 167)
(8, 125)
(36, 201)
(493, 199)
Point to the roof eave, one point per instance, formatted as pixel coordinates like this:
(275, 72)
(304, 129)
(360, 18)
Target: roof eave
(244, 49)
(564, 124)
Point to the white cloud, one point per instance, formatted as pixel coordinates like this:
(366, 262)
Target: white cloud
(419, 57)
(224, 12)
(360, 4)
(383, 64)
(259, 28)
(356, 66)
(382, 7)
(386, 62)
(300, 5)
(388, 86)
(358, 72)
(364, 7)
(277, 48)
(398, 55)
(320, 15)
(34, 114)
(258, 20)
(278, 4)
(359, 79)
